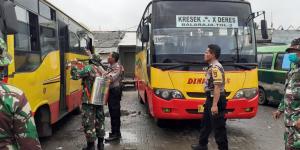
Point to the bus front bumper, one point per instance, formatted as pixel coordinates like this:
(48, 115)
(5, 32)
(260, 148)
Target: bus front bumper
(179, 109)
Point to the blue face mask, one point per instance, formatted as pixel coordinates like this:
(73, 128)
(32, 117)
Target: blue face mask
(293, 57)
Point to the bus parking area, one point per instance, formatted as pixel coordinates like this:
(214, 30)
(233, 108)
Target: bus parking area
(140, 132)
(185, 65)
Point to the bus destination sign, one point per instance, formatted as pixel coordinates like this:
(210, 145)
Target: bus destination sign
(190, 21)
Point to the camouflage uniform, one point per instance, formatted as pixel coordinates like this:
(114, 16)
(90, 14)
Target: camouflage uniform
(93, 115)
(290, 105)
(17, 126)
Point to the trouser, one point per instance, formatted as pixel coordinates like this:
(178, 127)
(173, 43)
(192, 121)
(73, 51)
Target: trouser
(93, 122)
(115, 109)
(291, 138)
(214, 122)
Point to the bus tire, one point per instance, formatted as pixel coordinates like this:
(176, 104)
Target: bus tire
(147, 106)
(43, 123)
(262, 99)
(160, 123)
(140, 99)
(78, 110)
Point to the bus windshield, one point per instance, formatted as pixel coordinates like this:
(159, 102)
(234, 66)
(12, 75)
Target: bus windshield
(187, 28)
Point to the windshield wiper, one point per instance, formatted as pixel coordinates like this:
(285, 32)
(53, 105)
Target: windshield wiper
(237, 45)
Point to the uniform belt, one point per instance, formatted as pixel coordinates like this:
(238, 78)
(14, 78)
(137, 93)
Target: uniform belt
(208, 93)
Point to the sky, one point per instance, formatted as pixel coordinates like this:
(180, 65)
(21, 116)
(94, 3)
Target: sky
(111, 15)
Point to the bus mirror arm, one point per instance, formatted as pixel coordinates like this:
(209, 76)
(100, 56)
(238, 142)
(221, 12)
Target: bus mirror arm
(263, 23)
(145, 33)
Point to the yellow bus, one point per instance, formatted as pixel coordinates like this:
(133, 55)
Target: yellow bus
(170, 69)
(45, 41)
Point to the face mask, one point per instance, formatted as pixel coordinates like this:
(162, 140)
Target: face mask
(293, 57)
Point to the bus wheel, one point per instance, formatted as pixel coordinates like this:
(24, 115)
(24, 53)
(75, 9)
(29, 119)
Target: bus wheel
(147, 106)
(140, 98)
(78, 110)
(43, 124)
(161, 123)
(262, 99)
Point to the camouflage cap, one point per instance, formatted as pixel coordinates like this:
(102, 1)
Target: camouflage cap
(295, 45)
(5, 58)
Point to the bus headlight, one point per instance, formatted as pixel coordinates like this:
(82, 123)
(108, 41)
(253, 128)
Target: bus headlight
(246, 93)
(168, 94)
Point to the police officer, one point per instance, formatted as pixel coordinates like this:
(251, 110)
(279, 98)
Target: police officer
(17, 126)
(92, 115)
(114, 73)
(290, 105)
(215, 105)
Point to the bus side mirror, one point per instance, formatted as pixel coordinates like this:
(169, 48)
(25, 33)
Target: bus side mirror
(9, 17)
(90, 44)
(264, 29)
(286, 63)
(145, 33)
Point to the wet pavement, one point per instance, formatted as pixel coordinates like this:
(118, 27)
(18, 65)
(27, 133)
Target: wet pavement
(139, 131)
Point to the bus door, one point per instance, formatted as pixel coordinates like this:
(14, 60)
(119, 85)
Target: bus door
(63, 46)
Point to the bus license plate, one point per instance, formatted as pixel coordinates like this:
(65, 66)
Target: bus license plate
(200, 109)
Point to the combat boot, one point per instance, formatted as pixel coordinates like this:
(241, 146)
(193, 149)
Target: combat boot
(113, 137)
(90, 146)
(100, 144)
(198, 147)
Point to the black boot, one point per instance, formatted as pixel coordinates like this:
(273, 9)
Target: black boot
(198, 147)
(100, 144)
(90, 146)
(113, 137)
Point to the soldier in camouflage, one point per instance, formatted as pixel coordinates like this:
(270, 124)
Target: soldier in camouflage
(93, 115)
(17, 127)
(290, 105)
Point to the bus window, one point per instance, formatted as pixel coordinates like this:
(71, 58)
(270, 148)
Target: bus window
(30, 4)
(27, 52)
(259, 56)
(48, 36)
(267, 61)
(83, 44)
(22, 37)
(74, 42)
(279, 61)
(45, 11)
(34, 32)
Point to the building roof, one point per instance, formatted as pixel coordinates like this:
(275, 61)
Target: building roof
(105, 50)
(107, 39)
(129, 39)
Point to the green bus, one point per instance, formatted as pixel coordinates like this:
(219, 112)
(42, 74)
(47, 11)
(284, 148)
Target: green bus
(271, 73)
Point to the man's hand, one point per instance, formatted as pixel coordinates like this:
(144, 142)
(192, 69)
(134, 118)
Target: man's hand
(88, 52)
(214, 110)
(298, 124)
(277, 114)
